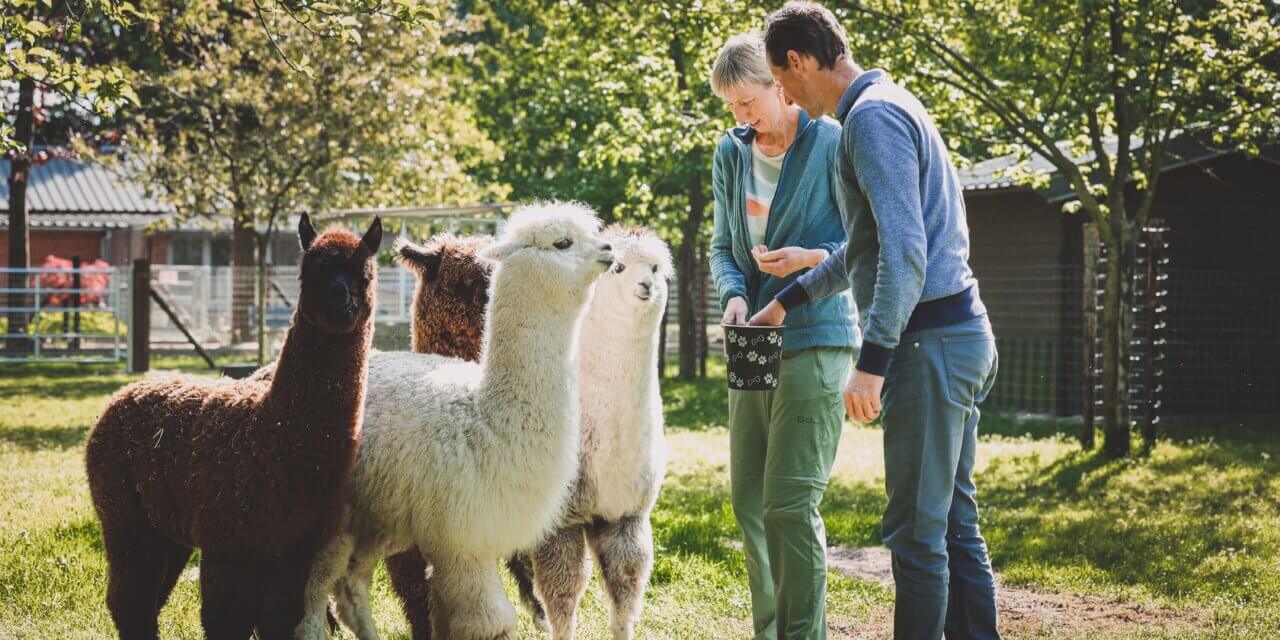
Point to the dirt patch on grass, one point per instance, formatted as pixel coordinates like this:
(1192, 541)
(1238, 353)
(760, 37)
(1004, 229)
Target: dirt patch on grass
(1025, 611)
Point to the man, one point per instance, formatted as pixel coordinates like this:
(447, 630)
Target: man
(928, 352)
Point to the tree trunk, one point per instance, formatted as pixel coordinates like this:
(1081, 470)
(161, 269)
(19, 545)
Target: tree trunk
(261, 297)
(1115, 347)
(704, 342)
(19, 237)
(243, 258)
(687, 266)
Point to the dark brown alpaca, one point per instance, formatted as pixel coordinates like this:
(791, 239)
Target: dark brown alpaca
(247, 471)
(448, 319)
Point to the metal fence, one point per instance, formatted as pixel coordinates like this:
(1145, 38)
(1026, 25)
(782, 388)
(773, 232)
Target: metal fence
(69, 314)
(219, 305)
(1220, 334)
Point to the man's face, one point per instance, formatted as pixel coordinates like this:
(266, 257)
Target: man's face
(797, 82)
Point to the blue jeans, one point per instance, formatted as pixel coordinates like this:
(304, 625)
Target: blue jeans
(943, 577)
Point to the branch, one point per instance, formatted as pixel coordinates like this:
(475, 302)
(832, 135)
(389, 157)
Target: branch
(1066, 73)
(963, 67)
(272, 39)
(1161, 58)
(68, 95)
(1124, 127)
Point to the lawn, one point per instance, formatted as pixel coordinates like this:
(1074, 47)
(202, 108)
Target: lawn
(1194, 527)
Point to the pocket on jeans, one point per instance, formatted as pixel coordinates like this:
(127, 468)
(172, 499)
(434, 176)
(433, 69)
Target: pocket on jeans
(968, 360)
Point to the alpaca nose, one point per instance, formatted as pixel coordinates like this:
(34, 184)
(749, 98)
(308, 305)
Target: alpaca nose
(339, 294)
(607, 247)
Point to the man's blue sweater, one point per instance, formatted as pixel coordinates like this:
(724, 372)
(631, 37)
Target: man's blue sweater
(903, 208)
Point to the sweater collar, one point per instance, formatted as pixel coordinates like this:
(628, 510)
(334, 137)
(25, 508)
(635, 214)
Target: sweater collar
(859, 84)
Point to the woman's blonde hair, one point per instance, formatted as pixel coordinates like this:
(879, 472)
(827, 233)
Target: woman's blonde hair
(741, 62)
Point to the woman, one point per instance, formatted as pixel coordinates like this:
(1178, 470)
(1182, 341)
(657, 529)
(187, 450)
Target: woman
(775, 215)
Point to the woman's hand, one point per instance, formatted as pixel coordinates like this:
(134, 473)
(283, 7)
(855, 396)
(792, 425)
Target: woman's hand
(735, 311)
(771, 315)
(787, 260)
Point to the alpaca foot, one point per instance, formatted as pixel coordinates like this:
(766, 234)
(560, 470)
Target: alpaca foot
(542, 623)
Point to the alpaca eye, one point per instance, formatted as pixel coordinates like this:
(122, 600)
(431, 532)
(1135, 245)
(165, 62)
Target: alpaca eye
(618, 267)
(563, 243)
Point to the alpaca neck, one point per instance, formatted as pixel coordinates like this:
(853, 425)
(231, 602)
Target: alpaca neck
(615, 338)
(530, 356)
(320, 374)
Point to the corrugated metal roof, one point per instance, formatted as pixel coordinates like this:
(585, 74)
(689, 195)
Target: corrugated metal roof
(85, 220)
(67, 186)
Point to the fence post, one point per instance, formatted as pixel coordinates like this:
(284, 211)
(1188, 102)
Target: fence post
(74, 343)
(1153, 371)
(1089, 309)
(140, 317)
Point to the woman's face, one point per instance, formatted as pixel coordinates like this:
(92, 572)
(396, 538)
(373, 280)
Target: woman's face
(756, 105)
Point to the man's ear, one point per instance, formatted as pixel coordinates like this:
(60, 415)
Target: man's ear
(425, 261)
(497, 252)
(306, 232)
(793, 60)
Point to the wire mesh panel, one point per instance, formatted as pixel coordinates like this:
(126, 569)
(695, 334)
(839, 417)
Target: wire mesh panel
(1035, 313)
(205, 301)
(63, 313)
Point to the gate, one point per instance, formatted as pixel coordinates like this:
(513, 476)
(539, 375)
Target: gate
(64, 314)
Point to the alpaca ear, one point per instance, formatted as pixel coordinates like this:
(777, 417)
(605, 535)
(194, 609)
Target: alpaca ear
(372, 240)
(306, 232)
(497, 252)
(424, 261)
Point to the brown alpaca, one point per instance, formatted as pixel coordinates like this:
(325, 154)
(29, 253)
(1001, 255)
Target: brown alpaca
(247, 471)
(448, 319)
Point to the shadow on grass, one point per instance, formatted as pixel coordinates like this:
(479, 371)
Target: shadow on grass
(1194, 520)
(67, 388)
(39, 438)
(694, 516)
(696, 405)
(1036, 428)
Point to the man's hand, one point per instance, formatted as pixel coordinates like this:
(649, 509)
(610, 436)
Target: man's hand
(735, 311)
(862, 396)
(771, 315)
(788, 260)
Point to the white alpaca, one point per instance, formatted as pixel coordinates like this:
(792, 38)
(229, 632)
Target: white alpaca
(623, 454)
(470, 462)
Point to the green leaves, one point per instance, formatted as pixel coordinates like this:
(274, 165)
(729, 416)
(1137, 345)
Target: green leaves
(241, 132)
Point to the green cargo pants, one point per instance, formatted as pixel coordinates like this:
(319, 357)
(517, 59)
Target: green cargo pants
(782, 444)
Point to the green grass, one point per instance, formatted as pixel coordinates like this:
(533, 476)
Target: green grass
(1196, 524)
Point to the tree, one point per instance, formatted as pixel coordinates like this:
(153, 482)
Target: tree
(46, 53)
(609, 103)
(251, 116)
(1101, 89)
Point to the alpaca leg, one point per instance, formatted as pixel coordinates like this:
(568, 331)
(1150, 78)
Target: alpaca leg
(352, 592)
(327, 567)
(175, 561)
(408, 572)
(521, 567)
(469, 601)
(229, 592)
(137, 563)
(284, 597)
(560, 574)
(624, 550)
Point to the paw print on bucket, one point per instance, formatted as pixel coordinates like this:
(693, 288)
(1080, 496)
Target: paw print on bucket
(754, 356)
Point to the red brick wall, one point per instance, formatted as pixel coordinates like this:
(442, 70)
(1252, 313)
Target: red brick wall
(64, 244)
